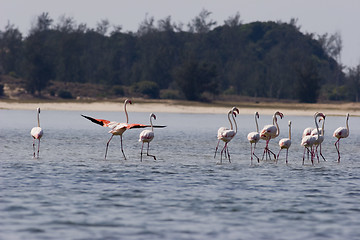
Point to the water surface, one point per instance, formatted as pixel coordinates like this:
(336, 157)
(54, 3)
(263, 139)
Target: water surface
(71, 192)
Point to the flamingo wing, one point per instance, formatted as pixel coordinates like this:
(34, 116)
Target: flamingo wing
(253, 137)
(340, 132)
(101, 122)
(36, 132)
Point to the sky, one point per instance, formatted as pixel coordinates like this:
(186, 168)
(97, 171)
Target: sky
(314, 16)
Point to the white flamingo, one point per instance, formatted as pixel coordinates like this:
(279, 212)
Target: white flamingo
(308, 141)
(146, 136)
(285, 143)
(320, 139)
(254, 138)
(269, 132)
(340, 133)
(118, 128)
(226, 134)
(37, 133)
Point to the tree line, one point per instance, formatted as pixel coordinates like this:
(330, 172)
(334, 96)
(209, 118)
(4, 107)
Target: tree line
(161, 59)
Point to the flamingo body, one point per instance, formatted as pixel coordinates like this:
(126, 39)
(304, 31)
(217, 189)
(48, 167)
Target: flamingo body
(340, 133)
(37, 133)
(253, 137)
(146, 136)
(226, 134)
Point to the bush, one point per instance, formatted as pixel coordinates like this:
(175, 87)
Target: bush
(170, 94)
(65, 94)
(148, 88)
(118, 90)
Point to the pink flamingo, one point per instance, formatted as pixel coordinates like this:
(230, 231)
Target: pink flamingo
(147, 136)
(340, 133)
(320, 138)
(254, 138)
(269, 132)
(308, 141)
(37, 133)
(285, 143)
(118, 128)
(226, 134)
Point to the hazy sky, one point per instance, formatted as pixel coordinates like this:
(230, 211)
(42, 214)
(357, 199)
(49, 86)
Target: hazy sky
(314, 16)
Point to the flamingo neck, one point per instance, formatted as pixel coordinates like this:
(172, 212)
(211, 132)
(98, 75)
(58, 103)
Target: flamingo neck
(126, 114)
(231, 126)
(317, 126)
(323, 130)
(38, 118)
(151, 123)
(233, 117)
(277, 126)
(256, 122)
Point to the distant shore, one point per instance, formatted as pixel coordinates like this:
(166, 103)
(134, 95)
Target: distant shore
(176, 106)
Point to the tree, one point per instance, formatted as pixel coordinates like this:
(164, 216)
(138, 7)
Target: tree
(308, 83)
(233, 21)
(354, 82)
(196, 78)
(201, 24)
(11, 50)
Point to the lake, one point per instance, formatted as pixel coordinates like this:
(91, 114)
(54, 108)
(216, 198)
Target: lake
(71, 192)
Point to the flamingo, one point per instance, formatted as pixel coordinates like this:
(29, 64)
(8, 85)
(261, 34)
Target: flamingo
(285, 143)
(226, 134)
(147, 136)
(320, 139)
(37, 133)
(118, 128)
(254, 137)
(308, 141)
(340, 133)
(269, 132)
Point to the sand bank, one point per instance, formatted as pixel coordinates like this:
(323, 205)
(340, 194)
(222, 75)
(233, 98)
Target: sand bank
(186, 107)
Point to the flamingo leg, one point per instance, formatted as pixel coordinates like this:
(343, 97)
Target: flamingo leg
(278, 155)
(38, 151)
(287, 153)
(265, 150)
(304, 155)
(317, 153)
(34, 146)
(147, 152)
(107, 145)
(222, 151)
(251, 152)
(338, 148)
(122, 150)
(255, 154)
(217, 146)
(142, 146)
(322, 154)
(272, 154)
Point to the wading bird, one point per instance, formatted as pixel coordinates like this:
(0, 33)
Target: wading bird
(269, 132)
(308, 141)
(37, 133)
(226, 134)
(320, 139)
(118, 128)
(254, 138)
(340, 133)
(146, 136)
(285, 143)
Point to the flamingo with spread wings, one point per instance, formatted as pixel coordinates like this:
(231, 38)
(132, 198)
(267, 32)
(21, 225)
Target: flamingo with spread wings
(37, 133)
(118, 128)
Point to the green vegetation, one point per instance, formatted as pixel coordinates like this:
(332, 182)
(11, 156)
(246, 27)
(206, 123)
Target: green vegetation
(259, 59)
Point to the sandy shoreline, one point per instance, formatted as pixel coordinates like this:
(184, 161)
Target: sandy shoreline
(176, 107)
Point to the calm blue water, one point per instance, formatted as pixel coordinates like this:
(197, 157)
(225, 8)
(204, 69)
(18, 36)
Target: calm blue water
(71, 192)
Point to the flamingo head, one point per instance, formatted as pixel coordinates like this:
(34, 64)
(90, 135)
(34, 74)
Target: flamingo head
(347, 116)
(257, 115)
(289, 123)
(279, 114)
(235, 109)
(153, 116)
(38, 110)
(321, 115)
(127, 101)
